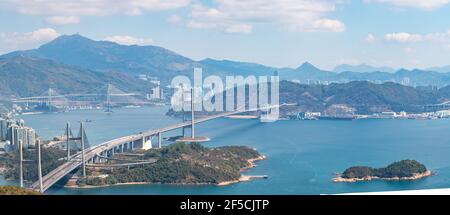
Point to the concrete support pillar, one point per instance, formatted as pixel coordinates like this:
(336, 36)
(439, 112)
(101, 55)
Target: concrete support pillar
(192, 114)
(21, 163)
(82, 150)
(67, 140)
(147, 143)
(159, 140)
(184, 113)
(41, 187)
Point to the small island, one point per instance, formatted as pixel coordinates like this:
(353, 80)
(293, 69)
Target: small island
(178, 163)
(400, 170)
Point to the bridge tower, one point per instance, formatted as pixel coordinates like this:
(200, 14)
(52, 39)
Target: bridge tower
(183, 110)
(192, 138)
(39, 162)
(49, 98)
(82, 137)
(108, 98)
(192, 114)
(68, 135)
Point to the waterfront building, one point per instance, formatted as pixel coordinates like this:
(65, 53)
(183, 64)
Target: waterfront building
(443, 113)
(309, 115)
(389, 115)
(402, 114)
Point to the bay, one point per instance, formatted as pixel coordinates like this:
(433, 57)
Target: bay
(302, 156)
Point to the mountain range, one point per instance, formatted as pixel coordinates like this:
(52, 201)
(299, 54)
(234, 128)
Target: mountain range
(28, 76)
(361, 97)
(73, 63)
(362, 68)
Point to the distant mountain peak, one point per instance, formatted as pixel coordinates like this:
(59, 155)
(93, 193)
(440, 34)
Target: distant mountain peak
(73, 40)
(72, 37)
(307, 65)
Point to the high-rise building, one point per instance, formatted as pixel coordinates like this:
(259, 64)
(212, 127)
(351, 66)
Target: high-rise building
(156, 92)
(21, 133)
(3, 129)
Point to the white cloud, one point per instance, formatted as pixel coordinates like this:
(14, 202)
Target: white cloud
(403, 37)
(63, 20)
(421, 4)
(241, 16)
(370, 39)
(77, 8)
(328, 25)
(43, 34)
(129, 40)
(407, 37)
(12, 41)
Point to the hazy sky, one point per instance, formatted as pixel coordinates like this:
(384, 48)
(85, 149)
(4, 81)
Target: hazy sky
(282, 33)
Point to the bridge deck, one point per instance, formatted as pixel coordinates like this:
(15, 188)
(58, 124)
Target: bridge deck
(57, 174)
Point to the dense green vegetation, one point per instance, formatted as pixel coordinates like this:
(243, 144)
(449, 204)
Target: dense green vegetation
(404, 168)
(11, 190)
(183, 163)
(363, 96)
(51, 158)
(22, 76)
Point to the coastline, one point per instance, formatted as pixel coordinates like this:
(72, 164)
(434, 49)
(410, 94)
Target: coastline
(244, 177)
(72, 184)
(416, 176)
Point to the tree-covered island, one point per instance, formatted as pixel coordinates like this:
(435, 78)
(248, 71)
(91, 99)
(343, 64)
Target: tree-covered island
(178, 163)
(400, 170)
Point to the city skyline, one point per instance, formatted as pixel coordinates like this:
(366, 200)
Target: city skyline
(281, 34)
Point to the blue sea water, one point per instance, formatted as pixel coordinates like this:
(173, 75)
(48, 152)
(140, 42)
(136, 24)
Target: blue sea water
(302, 156)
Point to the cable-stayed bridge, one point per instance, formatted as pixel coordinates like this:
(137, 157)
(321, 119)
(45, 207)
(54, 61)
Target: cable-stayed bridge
(108, 96)
(91, 155)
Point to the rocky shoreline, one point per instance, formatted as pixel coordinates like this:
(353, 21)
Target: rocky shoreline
(416, 176)
(244, 177)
